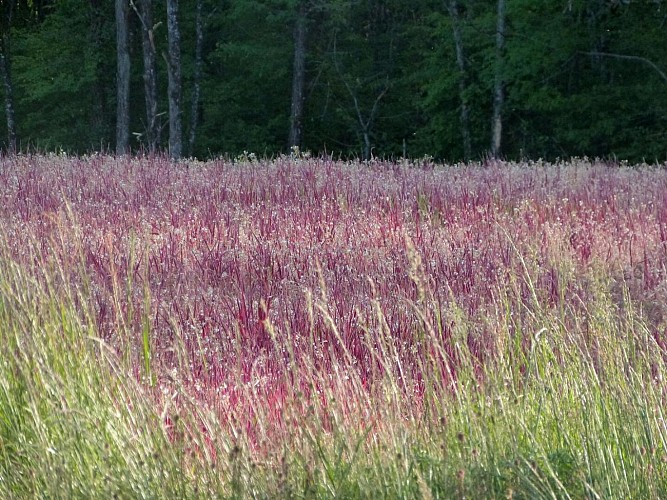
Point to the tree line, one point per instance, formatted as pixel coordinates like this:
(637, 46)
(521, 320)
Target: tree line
(452, 79)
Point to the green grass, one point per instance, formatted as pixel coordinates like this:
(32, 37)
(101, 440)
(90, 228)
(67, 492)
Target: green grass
(577, 414)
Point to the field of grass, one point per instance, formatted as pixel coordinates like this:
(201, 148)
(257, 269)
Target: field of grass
(304, 328)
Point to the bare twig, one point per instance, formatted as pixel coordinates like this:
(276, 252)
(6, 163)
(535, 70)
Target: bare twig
(365, 124)
(629, 58)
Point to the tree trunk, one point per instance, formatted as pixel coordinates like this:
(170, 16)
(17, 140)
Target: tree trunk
(5, 73)
(99, 115)
(150, 75)
(122, 78)
(367, 145)
(298, 77)
(174, 66)
(464, 117)
(498, 86)
(196, 88)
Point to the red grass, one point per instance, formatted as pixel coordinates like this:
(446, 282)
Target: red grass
(249, 265)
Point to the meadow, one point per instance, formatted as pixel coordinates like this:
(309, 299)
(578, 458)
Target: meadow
(310, 328)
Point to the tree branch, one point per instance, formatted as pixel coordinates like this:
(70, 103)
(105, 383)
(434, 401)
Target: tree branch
(629, 58)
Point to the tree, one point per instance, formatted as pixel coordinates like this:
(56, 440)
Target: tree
(246, 82)
(298, 76)
(498, 84)
(453, 9)
(196, 85)
(175, 85)
(566, 98)
(364, 55)
(150, 74)
(123, 78)
(365, 117)
(433, 77)
(6, 75)
(64, 74)
(99, 68)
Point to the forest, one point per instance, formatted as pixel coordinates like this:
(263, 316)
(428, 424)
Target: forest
(453, 80)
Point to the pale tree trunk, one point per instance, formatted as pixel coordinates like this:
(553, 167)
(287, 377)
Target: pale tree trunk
(150, 75)
(5, 73)
(498, 85)
(122, 78)
(196, 87)
(464, 117)
(298, 77)
(174, 87)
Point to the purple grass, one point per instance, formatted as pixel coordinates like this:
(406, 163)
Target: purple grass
(267, 280)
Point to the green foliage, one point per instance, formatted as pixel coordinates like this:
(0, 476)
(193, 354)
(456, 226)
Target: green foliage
(62, 80)
(564, 101)
(246, 88)
(561, 98)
